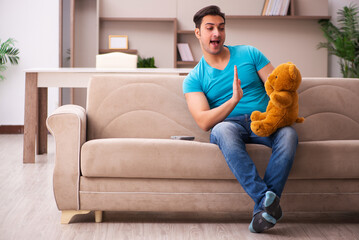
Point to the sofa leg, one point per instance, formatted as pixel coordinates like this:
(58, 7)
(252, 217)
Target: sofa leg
(98, 216)
(68, 214)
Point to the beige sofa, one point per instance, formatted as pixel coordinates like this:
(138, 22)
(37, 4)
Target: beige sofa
(118, 155)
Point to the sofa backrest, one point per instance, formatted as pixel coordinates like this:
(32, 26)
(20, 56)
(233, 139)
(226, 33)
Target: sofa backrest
(330, 107)
(153, 106)
(139, 106)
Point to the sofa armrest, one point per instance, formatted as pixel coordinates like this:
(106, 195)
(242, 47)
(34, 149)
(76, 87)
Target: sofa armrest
(68, 126)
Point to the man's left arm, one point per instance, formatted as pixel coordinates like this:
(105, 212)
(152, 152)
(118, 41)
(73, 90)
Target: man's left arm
(265, 71)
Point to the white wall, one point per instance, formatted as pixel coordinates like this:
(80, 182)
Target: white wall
(35, 26)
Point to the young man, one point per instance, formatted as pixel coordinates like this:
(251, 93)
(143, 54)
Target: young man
(222, 91)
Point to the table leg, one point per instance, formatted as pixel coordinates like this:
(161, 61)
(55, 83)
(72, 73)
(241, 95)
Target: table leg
(41, 127)
(31, 117)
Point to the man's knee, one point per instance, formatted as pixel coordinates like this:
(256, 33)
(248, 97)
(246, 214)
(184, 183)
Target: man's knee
(222, 130)
(288, 135)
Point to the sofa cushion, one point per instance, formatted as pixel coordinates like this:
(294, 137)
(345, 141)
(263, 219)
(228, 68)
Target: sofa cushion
(139, 106)
(336, 159)
(160, 158)
(165, 158)
(329, 106)
(153, 106)
(153, 158)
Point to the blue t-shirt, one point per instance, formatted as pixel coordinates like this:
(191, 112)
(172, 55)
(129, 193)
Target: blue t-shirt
(217, 85)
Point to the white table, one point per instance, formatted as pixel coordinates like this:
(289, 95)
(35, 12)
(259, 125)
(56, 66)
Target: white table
(38, 80)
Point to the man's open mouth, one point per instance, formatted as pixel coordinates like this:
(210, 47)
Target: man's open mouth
(214, 43)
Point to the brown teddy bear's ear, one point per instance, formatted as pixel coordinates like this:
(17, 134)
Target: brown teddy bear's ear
(293, 71)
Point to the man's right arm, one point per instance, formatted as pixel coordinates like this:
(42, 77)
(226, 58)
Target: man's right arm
(205, 117)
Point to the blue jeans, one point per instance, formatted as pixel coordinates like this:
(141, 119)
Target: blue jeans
(232, 134)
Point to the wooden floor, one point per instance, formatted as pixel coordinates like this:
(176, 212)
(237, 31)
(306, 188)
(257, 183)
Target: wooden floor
(28, 211)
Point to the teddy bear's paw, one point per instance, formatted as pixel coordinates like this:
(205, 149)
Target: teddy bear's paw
(257, 115)
(258, 128)
(299, 120)
(261, 129)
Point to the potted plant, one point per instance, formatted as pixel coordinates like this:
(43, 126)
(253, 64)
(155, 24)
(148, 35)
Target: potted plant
(146, 62)
(8, 52)
(343, 41)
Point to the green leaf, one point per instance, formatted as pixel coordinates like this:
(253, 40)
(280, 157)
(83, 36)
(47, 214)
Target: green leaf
(343, 41)
(8, 52)
(146, 62)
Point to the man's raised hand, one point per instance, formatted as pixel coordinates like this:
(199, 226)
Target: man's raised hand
(237, 90)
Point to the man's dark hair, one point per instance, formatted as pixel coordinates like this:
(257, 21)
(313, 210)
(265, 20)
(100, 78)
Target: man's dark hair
(210, 10)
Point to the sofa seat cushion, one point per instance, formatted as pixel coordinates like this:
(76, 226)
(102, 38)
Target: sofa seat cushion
(177, 159)
(153, 158)
(335, 159)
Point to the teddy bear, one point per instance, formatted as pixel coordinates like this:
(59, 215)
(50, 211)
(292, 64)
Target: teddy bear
(282, 109)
